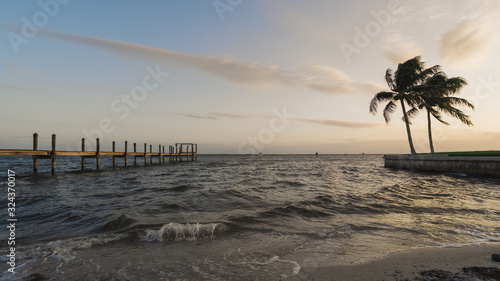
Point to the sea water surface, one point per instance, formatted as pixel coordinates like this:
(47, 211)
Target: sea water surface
(235, 217)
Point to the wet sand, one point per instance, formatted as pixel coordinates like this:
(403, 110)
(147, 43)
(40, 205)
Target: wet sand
(409, 265)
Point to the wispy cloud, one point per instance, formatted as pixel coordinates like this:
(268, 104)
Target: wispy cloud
(328, 80)
(465, 43)
(15, 88)
(227, 68)
(218, 115)
(468, 42)
(398, 48)
(327, 122)
(9, 66)
(318, 78)
(341, 123)
(232, 115)
(197, 116)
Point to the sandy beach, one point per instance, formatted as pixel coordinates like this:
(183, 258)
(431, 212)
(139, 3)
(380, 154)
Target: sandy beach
(409, 265)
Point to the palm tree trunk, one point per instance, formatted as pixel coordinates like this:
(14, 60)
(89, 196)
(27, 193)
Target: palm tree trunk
(412, 149)
(430, 131)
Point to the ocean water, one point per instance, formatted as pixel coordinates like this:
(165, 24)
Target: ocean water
(235, 217)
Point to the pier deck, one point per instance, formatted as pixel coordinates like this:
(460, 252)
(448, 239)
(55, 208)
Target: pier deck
(176, 153)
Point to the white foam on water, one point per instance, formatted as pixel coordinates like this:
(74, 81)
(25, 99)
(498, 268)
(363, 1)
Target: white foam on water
(179, 231)
(253, 264)
(60, 251)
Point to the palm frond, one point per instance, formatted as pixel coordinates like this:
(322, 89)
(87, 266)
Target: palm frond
(412, 113)
(438, 117)
(453, 85)
(460, 102)
(458, 114)
(429, 72)
(407, 74)
(389, 109)
(390, 80)
(380, 97)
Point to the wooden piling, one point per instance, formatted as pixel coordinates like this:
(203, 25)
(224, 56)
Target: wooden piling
(97, 154)
(53, 154)
(176, 157)
(170, 154)
(83, 150)
(180, 153)
(135, 151)
(145, 155)
(114, 157)
(163, 157)
(126, 158)
(159, 154)
(35, 148)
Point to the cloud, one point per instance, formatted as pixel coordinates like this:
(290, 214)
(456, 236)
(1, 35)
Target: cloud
(399, 49)
(328, 80)
(197, 116)
(318, 78)
(9, 66)
(341, 123)
(15, 88)
(465, 43)
(231, 115)
(473, 36)
(219, 115)
(227, 68)
(374, 88)
(327, 122)
(333, 82)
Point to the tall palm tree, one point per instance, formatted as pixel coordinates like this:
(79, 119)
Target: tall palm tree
(436, 96)
(409, 75)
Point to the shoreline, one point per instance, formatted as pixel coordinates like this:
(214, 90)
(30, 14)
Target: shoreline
(407, 265)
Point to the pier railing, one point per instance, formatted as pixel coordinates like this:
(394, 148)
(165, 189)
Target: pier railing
(176, 153)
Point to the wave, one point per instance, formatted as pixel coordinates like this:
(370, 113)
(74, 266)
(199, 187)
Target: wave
(178, 231)
(118, 223)
(288, 183)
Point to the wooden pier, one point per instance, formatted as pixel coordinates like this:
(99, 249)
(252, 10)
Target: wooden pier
(176, 153)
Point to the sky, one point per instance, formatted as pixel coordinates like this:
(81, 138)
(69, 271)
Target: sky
(240, 76)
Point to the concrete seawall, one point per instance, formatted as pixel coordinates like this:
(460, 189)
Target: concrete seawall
(470, 165)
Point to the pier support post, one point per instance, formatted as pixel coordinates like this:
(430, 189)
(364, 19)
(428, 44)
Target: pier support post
(151, 152)
(145, 154)
(192, 152)
(35, 147)
(114, 158)
(163, 157)
(98, 154)
(53, 154)
(83, 157)
(126, 147)
(159, 154)
(180, 153)
(135, 156)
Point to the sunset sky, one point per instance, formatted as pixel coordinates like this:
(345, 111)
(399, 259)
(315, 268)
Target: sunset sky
(240, 76)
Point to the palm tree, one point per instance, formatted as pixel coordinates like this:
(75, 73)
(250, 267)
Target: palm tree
(436, 95)
(402, 83)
